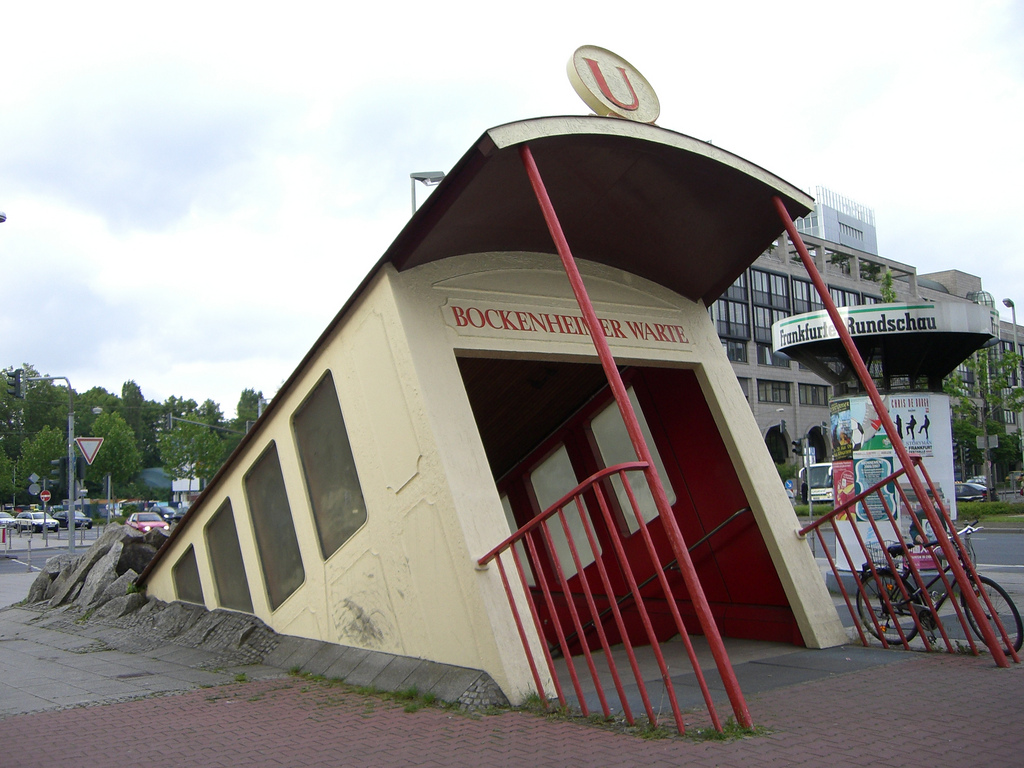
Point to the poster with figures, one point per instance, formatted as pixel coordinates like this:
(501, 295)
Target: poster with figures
(863, 453)
(912, 416)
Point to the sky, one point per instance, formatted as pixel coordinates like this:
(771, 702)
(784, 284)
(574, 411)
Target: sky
(193, 190)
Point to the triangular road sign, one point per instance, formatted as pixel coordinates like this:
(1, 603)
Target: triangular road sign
(89, 446)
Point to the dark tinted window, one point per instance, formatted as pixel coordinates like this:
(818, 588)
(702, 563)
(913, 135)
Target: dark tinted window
(229, 577)
(330, 471)
(185, 573)
(272, 525)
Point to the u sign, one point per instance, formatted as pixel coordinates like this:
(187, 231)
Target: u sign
(610, 85)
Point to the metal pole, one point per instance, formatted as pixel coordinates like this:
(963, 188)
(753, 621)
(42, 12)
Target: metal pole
(995, 647)
(611, 370)
(72, 477)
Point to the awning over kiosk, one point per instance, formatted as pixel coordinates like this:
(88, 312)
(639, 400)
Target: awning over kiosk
(896, 340)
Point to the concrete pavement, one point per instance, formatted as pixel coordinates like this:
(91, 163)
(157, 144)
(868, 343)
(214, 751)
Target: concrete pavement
(72, 694)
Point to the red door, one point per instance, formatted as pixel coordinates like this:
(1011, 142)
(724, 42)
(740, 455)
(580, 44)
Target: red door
(733, 564)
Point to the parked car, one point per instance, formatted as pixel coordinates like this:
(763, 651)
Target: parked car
(971, 492)
(146, 521)
(978, 480)
(81, 521)
(6, 520)
(35, 521)
(167, 513)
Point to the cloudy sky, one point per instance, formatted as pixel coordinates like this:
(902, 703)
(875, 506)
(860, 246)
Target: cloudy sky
(194, 189)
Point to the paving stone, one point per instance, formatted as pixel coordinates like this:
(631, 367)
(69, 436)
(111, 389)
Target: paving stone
(347, 662)
(323, 658)
(371, 665)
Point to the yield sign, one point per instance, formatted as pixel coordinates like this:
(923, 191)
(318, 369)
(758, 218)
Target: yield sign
(89, 446)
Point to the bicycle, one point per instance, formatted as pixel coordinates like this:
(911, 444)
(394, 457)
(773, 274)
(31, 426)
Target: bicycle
(895, 613)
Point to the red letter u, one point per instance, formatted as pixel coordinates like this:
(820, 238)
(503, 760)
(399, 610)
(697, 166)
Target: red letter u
(603, 85)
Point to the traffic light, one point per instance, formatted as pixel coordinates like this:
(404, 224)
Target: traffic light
(14, 384)
(59, 474)
(81, 467)
(798, 448)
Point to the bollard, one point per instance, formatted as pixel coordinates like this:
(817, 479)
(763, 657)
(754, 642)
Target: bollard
(29, 558)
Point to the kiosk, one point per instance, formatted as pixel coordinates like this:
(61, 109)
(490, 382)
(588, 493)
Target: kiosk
(462, 391)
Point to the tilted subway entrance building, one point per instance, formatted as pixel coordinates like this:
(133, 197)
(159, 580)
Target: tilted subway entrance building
(457, 395)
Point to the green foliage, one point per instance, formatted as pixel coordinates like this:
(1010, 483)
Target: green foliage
(969, 510)
(33, 431)
(976, 406)
(887, 289)
(119, 454)
(870, 270)
(190, 450)
(36, 454)
(7, 472)
(786, 471)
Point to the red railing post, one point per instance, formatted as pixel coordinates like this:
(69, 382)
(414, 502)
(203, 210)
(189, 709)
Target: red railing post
(890, 429)
(675, 537)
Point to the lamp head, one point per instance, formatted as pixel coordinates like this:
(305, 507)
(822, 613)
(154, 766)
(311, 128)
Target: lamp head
(430, 178)
(1008, 303)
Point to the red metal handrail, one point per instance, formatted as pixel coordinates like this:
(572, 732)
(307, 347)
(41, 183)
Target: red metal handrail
(916, 580)
(573, 503)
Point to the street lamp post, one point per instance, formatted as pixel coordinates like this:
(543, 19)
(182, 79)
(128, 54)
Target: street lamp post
(427, 178)
(72, 476)
(1020, 377)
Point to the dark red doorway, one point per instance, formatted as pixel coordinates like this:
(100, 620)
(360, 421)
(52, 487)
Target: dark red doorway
(537, 460)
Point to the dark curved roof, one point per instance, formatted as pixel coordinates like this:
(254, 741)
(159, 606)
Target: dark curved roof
(665, 206)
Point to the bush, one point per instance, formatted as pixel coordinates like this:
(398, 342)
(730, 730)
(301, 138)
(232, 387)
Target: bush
(968, 510)
(786, 471)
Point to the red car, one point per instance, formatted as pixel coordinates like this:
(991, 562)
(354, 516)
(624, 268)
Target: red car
(146, 521)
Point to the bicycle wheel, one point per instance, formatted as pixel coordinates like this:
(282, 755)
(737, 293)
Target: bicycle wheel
(871, 603)
(1004, 608)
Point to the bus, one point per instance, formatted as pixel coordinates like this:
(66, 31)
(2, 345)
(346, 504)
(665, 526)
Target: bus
(821, 483)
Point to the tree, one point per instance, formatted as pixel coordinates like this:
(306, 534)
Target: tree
(7, 471)
(886, 287)
(37, 453)
(190, 450)
(146, 418)
(119, 456)
(978, 406)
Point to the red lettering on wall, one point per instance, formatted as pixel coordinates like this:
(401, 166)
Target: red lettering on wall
(570, 325)
(595, 70)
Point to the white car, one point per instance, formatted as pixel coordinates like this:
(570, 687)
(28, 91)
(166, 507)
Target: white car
(35, 521)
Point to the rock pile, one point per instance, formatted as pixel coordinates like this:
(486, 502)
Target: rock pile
(100, 578)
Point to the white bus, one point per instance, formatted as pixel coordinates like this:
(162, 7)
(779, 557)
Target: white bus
(820, 485)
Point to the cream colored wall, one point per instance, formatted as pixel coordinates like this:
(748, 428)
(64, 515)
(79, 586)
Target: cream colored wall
(406, 582)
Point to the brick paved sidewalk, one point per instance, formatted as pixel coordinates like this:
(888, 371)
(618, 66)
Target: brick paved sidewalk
(971, 715)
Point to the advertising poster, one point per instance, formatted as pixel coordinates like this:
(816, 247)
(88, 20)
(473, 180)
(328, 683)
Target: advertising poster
(842, 431)
(871, 459)
(923, 422)
(870, 468)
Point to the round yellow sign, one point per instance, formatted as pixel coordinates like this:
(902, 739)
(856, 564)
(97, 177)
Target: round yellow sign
(610, 85)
